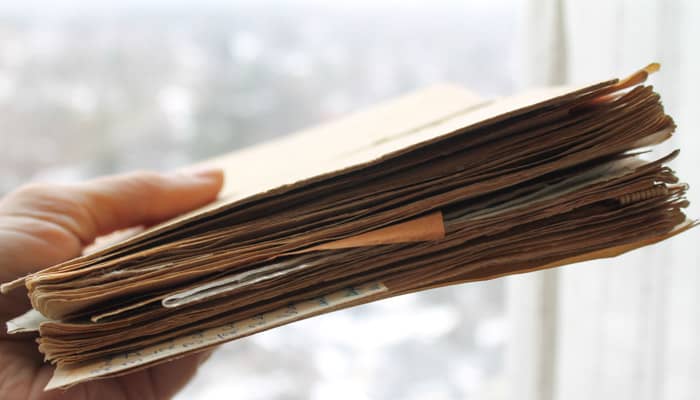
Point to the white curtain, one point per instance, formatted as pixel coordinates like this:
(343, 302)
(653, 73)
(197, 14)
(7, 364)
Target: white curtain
(627, 327)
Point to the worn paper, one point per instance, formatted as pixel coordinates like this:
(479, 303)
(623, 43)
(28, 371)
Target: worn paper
(65, 376)
(27, 322)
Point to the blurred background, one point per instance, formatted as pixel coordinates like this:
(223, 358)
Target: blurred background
(90, 88)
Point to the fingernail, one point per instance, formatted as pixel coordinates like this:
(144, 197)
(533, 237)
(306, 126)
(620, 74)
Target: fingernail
(203, 172)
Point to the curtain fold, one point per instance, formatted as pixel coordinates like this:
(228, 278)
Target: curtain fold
(627, 327)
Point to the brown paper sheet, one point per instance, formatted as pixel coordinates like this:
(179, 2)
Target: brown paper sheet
(429, 227)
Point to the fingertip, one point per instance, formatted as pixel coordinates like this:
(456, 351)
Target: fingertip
(147, 198)
(205, 172)
(211, 175)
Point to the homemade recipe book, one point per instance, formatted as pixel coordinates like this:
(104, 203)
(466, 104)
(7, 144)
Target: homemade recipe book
(436, 188)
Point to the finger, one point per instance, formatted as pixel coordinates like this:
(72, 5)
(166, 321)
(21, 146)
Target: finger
(160, 382)
(104, 205)
(169, 378)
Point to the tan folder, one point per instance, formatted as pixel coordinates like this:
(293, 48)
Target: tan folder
(436, 188)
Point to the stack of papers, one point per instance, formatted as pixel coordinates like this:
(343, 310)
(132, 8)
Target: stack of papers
(433, 189)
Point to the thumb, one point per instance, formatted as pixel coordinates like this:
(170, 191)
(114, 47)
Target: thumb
(63, 216)
(141, 198)
(103, 205)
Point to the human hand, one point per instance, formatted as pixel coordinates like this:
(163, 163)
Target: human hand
(42, 225)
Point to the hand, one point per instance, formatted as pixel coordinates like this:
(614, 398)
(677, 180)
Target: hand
(42, 225)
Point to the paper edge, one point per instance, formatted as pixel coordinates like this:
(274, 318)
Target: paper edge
(27, 322)
(608, 252)
(60, 379)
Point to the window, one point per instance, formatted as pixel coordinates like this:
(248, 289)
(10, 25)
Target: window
(87, 90)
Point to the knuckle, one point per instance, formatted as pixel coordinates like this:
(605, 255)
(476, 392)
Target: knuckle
(146, 185)
(31, 194)
(33, 190)
(143, 174)
(145, 180)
